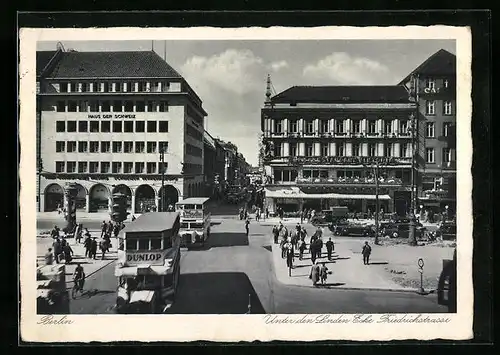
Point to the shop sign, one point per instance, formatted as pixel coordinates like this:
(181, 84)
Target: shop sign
(348, 160)
(145, 257)
(116, 115)
(431, 90)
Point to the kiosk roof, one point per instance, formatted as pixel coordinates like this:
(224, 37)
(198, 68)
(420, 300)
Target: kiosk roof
(152, 222)
(193, 201)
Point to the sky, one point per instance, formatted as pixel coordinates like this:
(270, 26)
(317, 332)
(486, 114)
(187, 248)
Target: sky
(230, 75)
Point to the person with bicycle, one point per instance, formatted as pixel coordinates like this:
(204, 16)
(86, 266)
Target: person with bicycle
(78, 278)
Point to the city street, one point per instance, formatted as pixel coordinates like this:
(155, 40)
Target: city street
(232, 271)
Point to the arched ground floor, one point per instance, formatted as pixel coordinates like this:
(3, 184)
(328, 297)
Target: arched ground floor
(94, 195)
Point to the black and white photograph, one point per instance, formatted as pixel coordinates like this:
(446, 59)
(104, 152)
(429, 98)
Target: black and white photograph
(280, 180)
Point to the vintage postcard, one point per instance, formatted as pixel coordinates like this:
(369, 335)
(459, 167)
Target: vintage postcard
(245, 184)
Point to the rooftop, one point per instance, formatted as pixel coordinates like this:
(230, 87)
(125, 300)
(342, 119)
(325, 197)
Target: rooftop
(342, 94)
(43, 59)
(440, 63)
(193, 201)
(152, 222)
(138, 64)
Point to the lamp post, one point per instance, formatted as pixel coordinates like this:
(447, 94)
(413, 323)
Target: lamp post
(162, 166)
(377, 208)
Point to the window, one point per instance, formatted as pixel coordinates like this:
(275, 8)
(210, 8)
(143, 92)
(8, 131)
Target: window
(388, 150)
(72, 106)
(151, 168)
(106, 126)
(155, 243)
(94, 147)
(82, 167)
(64, 87)
(403, 127)
(324, 126)
(71, 147)
(105, 167)
(163, 106)
(117, 147)
(278, 126)
(117, 126)
(117, 87)
(139, 147)
(71, 126)
(105, 87)
(94, 106)
(60, 126)
(128, 126)
(151, 147)
(143, 244)
(277, 150)
(71, 167)
(339, 126)
(445, 83)
(117, 106)
(447, 110)
(324, 149)
(309, 126)
(106, 106)
(372, 127)
(127, 167)
(404, 150)
(356, 126)
(60, 146)
(446, 128)
(95, 87)
(163, 126)
(131, 244)
(105, 147)
(83, 147)
(59, 167)
(83, 106)
(309, 150)
(293, 126)
(430, 83)
(94, 167)
(117, 167)
(446, 155)
(162, 146)
(140, 106)
(139, 167)
(430, 107)
(129, 106)
(372, 150)
(429, 129)
(355, 150)
(127, 147)
(94, 126)
(293, 149)
(83, 126)
(139, 126)
(340, 150)
(429, 154)
(151, 106)
(152, 126)
(61, 106)
(387, 127)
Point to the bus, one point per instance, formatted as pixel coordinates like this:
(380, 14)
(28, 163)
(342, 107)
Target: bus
(148, 263)
(195, 221)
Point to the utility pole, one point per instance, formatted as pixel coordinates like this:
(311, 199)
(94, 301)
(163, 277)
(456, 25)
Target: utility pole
(162, 166)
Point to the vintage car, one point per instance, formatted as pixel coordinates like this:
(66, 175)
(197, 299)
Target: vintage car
(355, 230)
(447, 231)
(333, 215)
(400, 230)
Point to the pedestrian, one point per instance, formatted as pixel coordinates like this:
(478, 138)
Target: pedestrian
(57, 249)
(87, 244)
(68, 253)
(49, 257)
(302, 248)
(78, 233)
(110, 228)
(314, 274)
(55, 232)
(103, 248)
(104, 228)
(329, 248)
(312, 249)
(267, 212)
(323, 273)
(257, 214)
(319, 248)
(289, 253)
(247, 224)
(301, 216)
(116, 230)
(275, 234)
(366, 251)
(93, 248)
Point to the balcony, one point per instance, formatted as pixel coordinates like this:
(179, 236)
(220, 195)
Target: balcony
(350, 181)
(341, 160)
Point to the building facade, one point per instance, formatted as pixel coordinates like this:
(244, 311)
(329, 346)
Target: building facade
(118, 122)
(324, 146)
(433, 83)
(214, 162)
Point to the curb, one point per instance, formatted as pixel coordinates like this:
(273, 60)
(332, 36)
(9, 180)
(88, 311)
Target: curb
(92, 273)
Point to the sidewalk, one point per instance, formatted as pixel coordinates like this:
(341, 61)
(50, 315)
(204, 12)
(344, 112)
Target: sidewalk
(89, 265)
(348, 270)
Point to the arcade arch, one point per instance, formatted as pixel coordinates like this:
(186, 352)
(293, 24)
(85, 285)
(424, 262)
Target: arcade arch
(54, 197)
(98, 198)
(144, 199)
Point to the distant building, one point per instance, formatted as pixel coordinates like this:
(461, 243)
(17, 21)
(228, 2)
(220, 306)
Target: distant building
(434, 84)
(105, 117)
(214, 161)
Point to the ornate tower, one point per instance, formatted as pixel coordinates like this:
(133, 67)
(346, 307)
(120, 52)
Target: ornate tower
(267, 103)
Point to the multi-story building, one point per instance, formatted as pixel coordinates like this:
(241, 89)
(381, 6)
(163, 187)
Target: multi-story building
(433, 83)
(214, 161)
(324, 145)
(118, 122)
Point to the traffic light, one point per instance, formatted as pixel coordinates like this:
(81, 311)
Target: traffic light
(119, 209)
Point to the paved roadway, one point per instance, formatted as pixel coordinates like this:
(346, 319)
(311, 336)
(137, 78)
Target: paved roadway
(220, 278)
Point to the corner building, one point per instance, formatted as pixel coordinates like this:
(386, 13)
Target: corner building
(323, 145)
(105, 118)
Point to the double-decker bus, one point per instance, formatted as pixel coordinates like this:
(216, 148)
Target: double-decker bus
(148, 264)
(195, 221)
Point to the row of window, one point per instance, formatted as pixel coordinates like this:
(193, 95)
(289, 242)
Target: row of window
(110, 106)
(340, 126)
(446, 156)
(112, 126)
(289, 175)
(430, 108)
(110, 147)
(340, 150)
(95, 167)
(193, 132)
(430, 129)
(430, 83)
(106, 86)
(194, 151)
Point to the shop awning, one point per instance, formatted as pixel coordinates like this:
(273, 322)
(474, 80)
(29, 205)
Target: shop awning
(296, 193)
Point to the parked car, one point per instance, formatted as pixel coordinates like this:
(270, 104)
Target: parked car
(400, 230)
(332, 215)
(355, 230)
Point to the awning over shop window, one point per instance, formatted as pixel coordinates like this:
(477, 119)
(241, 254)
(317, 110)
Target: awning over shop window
(295, 192)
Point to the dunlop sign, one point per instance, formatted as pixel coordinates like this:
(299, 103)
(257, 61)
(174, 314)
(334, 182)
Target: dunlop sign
(145, 257)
